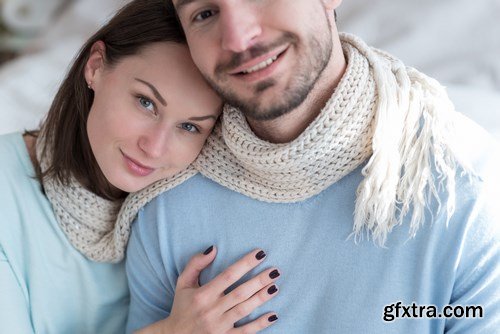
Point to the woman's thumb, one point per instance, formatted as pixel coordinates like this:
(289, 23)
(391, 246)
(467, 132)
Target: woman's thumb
(189, 277)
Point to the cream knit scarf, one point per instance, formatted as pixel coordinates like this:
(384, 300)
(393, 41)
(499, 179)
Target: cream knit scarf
(89, 221)
(84, 217)
(391, 116)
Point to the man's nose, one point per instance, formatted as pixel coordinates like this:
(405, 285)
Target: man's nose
(154, 142)
(240, 28)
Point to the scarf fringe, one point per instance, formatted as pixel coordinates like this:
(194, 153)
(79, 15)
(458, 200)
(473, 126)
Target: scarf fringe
(413, 156)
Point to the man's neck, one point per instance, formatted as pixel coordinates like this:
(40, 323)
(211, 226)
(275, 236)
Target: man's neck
(288, 127)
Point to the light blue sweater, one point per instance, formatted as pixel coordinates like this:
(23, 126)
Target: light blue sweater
(47, 286)
(329, 284)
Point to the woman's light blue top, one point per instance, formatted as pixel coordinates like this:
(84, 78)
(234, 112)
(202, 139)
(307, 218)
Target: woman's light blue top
(47, 286)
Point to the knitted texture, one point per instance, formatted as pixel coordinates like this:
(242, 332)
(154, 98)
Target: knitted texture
(393, 117)
(87, 219)
(332, 146)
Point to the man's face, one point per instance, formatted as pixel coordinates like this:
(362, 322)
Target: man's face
(262, 56)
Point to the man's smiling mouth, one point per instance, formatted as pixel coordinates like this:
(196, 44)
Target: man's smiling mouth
(261, 65)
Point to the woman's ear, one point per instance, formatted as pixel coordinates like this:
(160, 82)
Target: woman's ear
(331, 5)
(95, 63)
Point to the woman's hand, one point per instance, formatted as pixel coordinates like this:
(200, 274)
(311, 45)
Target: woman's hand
(206, 309)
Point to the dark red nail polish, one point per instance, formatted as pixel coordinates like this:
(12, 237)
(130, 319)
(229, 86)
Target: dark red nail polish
(273, 274)
(272, 318)
(208, 250)
(272, 289)
(260, 255)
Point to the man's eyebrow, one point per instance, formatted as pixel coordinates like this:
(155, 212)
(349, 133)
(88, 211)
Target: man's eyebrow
(202, 118)
(155, 91)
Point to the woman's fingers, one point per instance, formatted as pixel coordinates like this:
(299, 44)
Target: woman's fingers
(248, 289)
(189, 277)
(257, 325)
(233, 273)
(200, 309)
(245, 308)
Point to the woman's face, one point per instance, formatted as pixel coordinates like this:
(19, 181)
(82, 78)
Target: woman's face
(151, 114)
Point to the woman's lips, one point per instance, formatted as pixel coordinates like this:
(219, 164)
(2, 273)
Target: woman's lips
(137, 168)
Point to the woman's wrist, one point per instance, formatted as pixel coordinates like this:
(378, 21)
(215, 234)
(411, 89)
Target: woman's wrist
(164, 326)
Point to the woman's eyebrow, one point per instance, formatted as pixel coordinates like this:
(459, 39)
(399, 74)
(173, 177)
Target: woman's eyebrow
(181, 4)
(154, 90)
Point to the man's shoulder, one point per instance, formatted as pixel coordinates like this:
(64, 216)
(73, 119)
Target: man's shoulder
(195, 193)
(197, 187)
(477, 191)
(476, 149)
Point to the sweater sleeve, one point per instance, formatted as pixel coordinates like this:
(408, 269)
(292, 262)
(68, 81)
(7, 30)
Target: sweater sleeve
(150, 300)
(477, 284)
(14, 311)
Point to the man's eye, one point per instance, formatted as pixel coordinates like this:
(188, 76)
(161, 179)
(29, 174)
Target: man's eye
(189, 127)
(204, 15)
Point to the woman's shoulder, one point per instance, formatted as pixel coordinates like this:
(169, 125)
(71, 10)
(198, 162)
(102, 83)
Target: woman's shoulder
(12, 144)
(9, 139)
(16, 172)
(22, 203)
(14, 155)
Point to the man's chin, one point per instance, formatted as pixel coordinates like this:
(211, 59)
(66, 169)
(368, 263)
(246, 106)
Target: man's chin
(271, 109)
(263, 112)
(268, 103)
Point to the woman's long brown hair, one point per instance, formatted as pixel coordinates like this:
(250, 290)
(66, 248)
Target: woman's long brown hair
(138, 24)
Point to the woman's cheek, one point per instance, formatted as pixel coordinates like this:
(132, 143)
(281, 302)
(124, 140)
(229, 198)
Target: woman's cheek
(192, 150)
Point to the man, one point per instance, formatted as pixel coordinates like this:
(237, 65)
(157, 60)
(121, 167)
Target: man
(340, 162)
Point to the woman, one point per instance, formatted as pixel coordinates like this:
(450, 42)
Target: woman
(132, 110)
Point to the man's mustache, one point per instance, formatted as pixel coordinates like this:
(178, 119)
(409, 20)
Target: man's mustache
(237, 59)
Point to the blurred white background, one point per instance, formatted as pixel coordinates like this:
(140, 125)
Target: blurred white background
(455, 41)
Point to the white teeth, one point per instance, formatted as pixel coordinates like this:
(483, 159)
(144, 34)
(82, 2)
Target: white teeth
(262, 65)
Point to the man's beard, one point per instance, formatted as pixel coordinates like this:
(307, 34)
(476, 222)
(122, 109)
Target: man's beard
(313, 61)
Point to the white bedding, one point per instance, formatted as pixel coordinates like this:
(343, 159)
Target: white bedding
(455, 41)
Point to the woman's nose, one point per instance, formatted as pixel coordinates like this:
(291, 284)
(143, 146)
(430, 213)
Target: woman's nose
(154, 142)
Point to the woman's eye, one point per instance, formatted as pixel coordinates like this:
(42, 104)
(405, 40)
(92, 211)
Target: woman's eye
(204, 15)
(147, 103)
(189, 127)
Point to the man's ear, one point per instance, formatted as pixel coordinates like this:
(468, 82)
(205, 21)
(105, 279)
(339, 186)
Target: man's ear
(331, 5)
(95, 63)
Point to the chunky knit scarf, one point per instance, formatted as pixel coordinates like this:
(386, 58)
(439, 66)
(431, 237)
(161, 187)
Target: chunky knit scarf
(84, 217)
(89, 221)
(393, 117)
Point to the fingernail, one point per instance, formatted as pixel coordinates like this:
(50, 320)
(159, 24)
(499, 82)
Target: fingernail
(273, 274)
(208, 250)
(272, 318)
(272, 290)
(260, 255)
